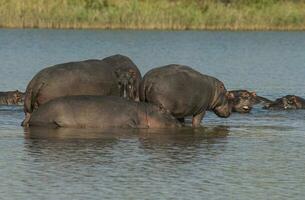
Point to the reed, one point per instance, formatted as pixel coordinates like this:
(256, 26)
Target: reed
(154, 14)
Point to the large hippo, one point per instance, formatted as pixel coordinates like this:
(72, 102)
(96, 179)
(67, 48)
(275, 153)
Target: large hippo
(11, 98)
(100, 112)
(183, 92)
(244, 100)
(115, 75)
(287, 102)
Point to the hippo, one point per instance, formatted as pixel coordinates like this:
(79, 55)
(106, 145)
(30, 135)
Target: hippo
(87, 111)
(287, 102)
(244, 100)
(116, 75)
(11, 98)
(182, 91)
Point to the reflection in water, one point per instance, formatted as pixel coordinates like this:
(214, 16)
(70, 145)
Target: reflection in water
(125, 160)
(173, 146)
(177, 144)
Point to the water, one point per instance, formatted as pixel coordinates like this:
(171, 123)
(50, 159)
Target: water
(250, 156)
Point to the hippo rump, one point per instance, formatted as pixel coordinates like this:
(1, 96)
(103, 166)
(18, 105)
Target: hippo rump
(243, 100)
(100, 112)
(287, 102)
(184, 92)
(11, 98)
(115, 75)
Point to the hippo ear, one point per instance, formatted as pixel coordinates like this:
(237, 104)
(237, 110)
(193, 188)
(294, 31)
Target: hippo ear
(230, 95)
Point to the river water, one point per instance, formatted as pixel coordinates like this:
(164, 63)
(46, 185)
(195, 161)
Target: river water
(247, 156)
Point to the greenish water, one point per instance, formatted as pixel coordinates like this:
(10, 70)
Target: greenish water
(250, 156)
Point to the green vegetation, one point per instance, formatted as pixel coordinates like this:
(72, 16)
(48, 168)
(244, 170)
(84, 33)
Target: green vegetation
(155, 14)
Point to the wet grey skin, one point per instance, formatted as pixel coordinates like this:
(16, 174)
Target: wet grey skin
(11, 98)
(100, 112)
(116, 75)
(182, 91)
(288, 102)
(244, 100)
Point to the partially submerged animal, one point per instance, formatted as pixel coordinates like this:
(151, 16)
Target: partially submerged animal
(100, 112)
(11, 98)
(288, 102)
(244, 100)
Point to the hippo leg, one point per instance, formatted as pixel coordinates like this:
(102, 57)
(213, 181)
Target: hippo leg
(197, 119)
(26, 120)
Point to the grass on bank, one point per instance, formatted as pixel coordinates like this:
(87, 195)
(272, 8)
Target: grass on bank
(154, 14)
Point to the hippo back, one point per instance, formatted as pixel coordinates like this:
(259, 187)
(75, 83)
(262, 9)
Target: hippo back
(89, 77)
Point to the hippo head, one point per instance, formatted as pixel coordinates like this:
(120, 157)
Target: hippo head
(221, 103)
(15, 97)
(287, 102)
(242, 100)
(127, 83)
(160, 118)
(295, 102)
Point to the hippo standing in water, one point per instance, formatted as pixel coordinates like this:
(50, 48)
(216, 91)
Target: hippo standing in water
(244, 100)
(11, 98)
(100, 112)
(115, 75)
(287, 102)
(184, 92)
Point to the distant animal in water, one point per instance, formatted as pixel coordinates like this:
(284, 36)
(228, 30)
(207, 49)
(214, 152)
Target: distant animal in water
(11, 98)
(244, 100)
(288, 102)
(115, 75)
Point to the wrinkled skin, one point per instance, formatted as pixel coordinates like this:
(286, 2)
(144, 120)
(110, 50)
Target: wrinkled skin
(113, 76)
(183, 92)
(11, 98)
(100, 112)
(288, 102)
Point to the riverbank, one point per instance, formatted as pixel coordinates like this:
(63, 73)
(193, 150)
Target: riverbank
(158, 14)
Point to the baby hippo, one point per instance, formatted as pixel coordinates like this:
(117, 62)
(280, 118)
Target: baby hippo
(100, 112)
(244, 100)
(11, 98)
(287, 102)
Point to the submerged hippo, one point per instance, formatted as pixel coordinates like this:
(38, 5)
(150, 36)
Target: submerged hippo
(11, 98)
(183, 92)
(115, 75)
(100, 112)
(244, 100)
(287, 102)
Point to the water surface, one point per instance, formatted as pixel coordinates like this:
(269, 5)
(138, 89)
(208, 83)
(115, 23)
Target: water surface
(250, 156)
